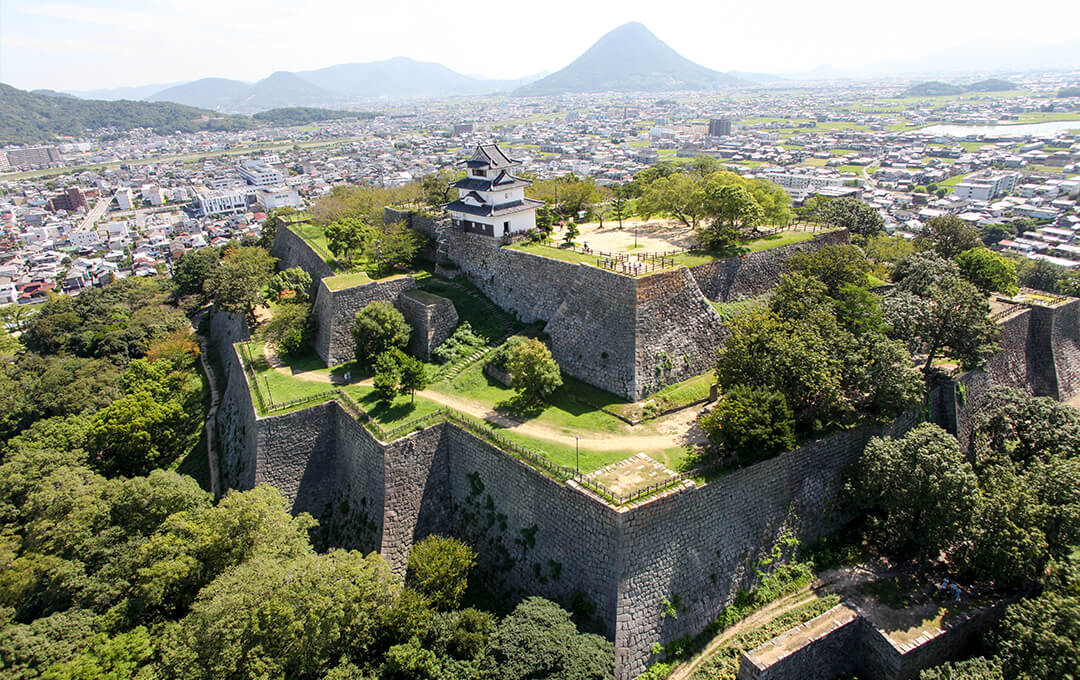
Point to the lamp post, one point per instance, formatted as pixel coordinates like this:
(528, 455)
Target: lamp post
(577, 455)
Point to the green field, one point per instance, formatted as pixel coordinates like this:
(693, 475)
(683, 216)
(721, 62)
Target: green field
(695, 257)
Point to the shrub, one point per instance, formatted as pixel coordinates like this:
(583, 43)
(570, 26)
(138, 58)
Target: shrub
(290, 328)
(751, 422)
(463, 342)
(439, 569)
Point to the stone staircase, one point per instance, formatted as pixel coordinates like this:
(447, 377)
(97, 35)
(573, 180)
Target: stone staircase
(507, 329)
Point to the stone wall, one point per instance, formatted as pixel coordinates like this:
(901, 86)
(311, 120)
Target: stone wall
(842, 642)
(701, 545)
(335, 312)
(1065, 339)
(757, 273)
(292, 250)
(432, 318)
(235, 420)
(630, 336)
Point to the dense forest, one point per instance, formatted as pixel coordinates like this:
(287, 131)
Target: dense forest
(118, 563)
(26, 117)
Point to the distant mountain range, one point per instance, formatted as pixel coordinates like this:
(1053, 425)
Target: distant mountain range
(630, 59)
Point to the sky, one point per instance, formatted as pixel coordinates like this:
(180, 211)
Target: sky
(90, 44)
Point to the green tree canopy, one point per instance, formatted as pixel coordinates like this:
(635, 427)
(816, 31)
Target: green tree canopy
(379, 327)
(348, 237)
(949, 235)
(534, 373)
(857, 217)
(239, 282)
(290, 284)
(750, 422)
(439, 568)
(919, 492)
(989, 271)
(834, 266)
(195, 267)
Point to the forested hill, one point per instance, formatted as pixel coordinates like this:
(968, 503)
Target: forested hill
(26, 117)
(299, 115)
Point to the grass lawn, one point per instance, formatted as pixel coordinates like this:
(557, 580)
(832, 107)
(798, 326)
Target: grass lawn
(952, 181)
(695, 257)
(274, 386)
(393, 414)
(315, 235)
(554, 252)
(347, 280)
(570, 409)
(728, 310)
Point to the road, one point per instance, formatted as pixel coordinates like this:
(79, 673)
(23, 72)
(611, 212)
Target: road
(95, 214)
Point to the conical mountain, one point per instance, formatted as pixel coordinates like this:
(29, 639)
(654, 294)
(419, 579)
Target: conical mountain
(629, 59)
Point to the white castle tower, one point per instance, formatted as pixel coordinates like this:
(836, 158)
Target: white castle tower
(491, 201)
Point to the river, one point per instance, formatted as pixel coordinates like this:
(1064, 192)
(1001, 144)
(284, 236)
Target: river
(1048, 129)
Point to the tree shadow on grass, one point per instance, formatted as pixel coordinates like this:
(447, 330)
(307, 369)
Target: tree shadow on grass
(520, 408)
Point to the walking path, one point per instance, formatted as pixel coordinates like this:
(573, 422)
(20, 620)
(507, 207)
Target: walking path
(669, 437)
(832, 581)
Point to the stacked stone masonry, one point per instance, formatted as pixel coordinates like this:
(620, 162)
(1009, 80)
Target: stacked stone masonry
(753, 274)
(842, 642)
(292, 250)
(433, 319)
(335, 314)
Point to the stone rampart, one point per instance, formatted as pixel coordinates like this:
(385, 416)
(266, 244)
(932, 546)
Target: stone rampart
(433, 319)
(292, 250)
(843, 642)
(699, 546)
(1038, 352)
(335, 312)
(235, 420)
(753, 274)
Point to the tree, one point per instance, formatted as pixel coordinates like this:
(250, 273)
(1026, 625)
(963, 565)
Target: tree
(1013, 425)
(919, 492)
(395, 246)
(238, 283)
(292, 283)
(835, 266)
(677, 195)
(950, 235)
(538, 640)
(731, 208)
(859, 218)
(413, 375)
(194, 268)
(992, 234)
(290, 328)
(797, 358)
(989, 271)
(751, 422)
(934, 309)
(387, 376)
(620, 209)
(977, 668)
(435, 188)
(571, 232)
(535, 375)
(1040, 275)
(348, 236)
(439, 568)
(1040, 637)
(137, 433)
(291, 618)
(378, 328)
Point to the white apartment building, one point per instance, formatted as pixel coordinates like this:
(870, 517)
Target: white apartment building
(260, 174)
(799, 186)
(125, 199)
(272, 198)
(221, 202)
(987, 187)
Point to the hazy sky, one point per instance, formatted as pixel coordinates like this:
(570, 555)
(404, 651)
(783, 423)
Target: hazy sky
(86, 44)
